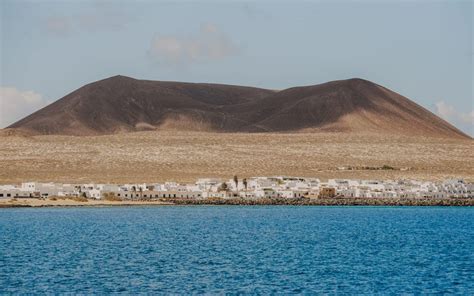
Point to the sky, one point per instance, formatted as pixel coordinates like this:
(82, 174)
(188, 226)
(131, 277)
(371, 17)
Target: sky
(420, 49)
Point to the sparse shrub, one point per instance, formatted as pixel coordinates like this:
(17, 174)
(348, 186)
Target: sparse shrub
(223, 187)
(110, 196)
(80, 199)
(53, 198)
(387, 167)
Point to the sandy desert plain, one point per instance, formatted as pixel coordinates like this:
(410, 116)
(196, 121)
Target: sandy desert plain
(157, 156)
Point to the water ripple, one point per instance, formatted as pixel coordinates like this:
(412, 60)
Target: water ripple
(237, 250)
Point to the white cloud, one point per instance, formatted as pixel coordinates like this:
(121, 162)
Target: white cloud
(93, 22)
(16, 104)
(444, 110)
(103, 16)
(58, 25)
(468, 117)
(209, 43)
(448, 112)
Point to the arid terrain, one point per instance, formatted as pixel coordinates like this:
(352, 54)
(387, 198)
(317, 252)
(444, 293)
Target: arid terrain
(156, 156)
(124, 130)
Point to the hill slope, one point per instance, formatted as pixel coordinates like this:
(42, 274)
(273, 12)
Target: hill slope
(119, 104)
(125, 104)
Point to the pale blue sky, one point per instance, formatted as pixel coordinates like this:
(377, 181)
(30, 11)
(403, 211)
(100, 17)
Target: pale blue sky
(421, 49)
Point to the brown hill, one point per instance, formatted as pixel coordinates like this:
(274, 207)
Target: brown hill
(354, 105)
(119, 104)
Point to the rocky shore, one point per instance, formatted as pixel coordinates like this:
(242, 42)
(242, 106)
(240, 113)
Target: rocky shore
(30, 202)
(332, 202)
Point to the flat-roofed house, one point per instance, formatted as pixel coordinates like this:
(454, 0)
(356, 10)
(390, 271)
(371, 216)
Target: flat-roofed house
(327, 192)
(13, 193)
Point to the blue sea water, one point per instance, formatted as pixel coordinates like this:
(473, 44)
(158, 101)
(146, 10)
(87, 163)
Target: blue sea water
(220, 250)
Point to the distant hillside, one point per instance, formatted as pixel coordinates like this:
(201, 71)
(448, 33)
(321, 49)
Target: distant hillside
(123, 104)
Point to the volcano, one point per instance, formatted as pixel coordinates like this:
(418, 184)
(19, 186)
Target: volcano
(123, 104)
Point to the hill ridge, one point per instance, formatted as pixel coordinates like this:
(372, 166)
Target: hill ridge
(125, 104)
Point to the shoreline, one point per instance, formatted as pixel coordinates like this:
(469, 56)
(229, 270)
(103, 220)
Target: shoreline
(45, 203)
(334, 202)
(41, 203)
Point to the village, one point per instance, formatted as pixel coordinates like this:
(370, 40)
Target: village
(254, 188)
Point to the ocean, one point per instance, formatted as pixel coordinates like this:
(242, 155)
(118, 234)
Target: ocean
(237, 250)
